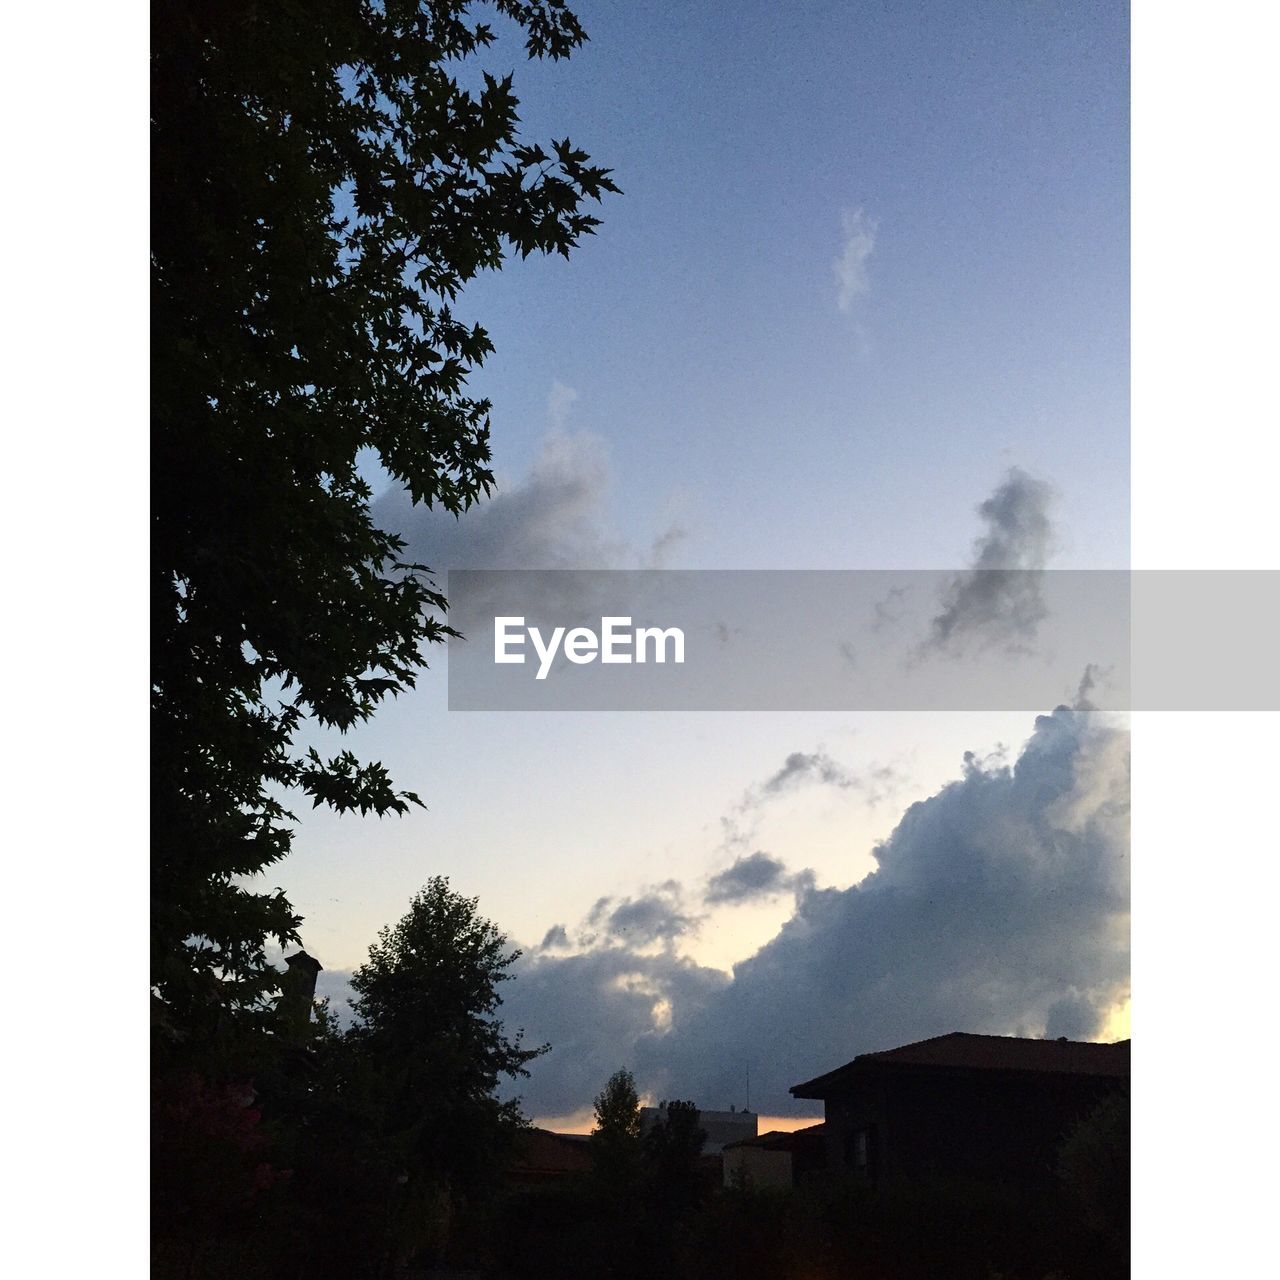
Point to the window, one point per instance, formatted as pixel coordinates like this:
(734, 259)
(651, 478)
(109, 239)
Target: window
(860, 1149)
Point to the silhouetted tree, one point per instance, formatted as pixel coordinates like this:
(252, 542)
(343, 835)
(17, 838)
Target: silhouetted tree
(615, 1140)
(395, 1130)
(672, 1149)
(427, 1000)
(323, 187)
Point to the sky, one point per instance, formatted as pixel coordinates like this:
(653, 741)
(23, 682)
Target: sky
(862, 304)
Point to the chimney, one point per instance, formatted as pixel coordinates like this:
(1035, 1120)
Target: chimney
(298, 990)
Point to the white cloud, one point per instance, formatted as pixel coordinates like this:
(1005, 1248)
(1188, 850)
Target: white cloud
(560, 400)
(850, 268)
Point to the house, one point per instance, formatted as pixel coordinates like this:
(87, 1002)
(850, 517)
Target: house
(990, 1108)
(776, 1158)
(542, 1156)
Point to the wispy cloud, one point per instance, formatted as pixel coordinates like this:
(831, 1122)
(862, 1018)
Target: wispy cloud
(560, 399)
(798, 770)
(850, 268)
(998, 600)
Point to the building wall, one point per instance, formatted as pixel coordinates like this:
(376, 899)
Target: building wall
(757, 1167)
(987, 1126)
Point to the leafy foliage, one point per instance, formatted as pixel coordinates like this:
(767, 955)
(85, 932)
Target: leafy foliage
(391, 1130)
(615, 1140)
(426, 1059)
(427, 1000)
(324, 185)
(672, 1149)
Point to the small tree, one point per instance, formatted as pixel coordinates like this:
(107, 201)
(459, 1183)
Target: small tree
(615, 1141)
(672, 1148)
(427, 1000)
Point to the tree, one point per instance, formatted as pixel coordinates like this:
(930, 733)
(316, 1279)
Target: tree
(615, 1140)
(672, 1150)
(427, 1000)
(324, 185)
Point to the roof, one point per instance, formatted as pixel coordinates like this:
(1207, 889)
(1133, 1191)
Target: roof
(782, 1139)
(542, 1153)
(961, 1050)
(301, 957)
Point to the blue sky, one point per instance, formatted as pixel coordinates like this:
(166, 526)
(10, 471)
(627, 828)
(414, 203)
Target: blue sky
(988, 145)
(701, 372)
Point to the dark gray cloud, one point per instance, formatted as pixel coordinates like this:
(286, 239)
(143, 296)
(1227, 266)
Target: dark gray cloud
(650, 918)
(657, 915)
(998, 600)
(596, 1009)
(999, 904)
(1074, 1016)
(555, 937)
(758, 875)
(555, 517)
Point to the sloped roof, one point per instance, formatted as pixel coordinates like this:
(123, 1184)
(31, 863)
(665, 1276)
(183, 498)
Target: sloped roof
(782, 1139)
(540, 1152)
(962, 1050)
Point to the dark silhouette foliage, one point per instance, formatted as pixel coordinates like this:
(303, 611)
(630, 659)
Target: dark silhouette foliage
(324, 185)
(357, 1151)
(427, 1001)
(615, 1140)
(672, 1149)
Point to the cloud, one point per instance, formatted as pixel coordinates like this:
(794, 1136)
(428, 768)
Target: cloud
(555, 517)
(998, 600)
(334, 985)
(560, 399)
(801, 769)
(816, 766)
(850, 267)
(758, 875)
(998, 904)
(651, 918)
(657, 915)
(1075, 1016)
(596, 1009)
(555, 938)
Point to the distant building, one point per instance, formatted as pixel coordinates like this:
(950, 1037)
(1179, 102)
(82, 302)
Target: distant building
(775, 1159)
(994, 1108)
(721, 1127)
